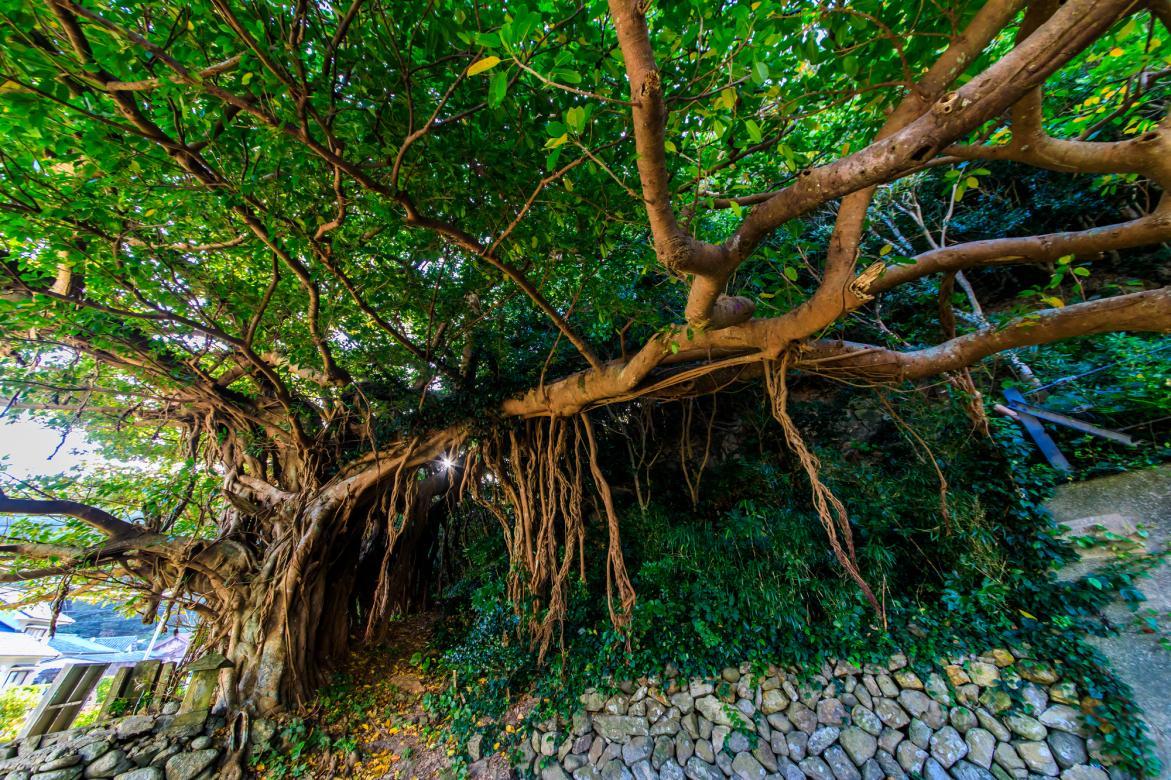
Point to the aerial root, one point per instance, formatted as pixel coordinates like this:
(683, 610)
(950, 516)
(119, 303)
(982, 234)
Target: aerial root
(534, 483)
(829, 508)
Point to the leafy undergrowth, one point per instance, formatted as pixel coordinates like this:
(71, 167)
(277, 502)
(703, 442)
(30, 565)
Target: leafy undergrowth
(370, 721)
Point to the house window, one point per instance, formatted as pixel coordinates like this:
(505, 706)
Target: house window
(17, 677)
(37, 632)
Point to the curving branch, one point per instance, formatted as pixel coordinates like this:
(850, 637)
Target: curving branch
(90, 515)
(919, 136)
(1150, 229)
(1146, 311)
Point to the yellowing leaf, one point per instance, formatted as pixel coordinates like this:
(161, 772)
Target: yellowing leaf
(483, 64)
(1117, 52)
(727, 98)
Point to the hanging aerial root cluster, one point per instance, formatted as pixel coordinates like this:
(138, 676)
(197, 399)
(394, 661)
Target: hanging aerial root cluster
(404, 502)
(533, 481)
(829, 508)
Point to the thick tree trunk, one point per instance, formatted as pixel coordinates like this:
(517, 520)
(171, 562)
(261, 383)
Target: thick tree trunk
(337, 567)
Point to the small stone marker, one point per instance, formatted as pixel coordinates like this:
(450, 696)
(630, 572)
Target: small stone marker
(142, 684)
(162, 684)
(205, 678)
(117, 693)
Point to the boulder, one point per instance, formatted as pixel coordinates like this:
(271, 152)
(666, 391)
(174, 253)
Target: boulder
(187, 765)
(619, 728)
(860, 745)
(966, 770)
(890, 713)
(1025, 727)
(1063, 718)
(134, 726)
(110, 763)
(910, 757)
(1038, 758)
(145, 773)
(866, 720)
(981, 743)
(948, 747)
(747, 767)
(698, 769)
(840, 764)
(713, 709)
(637, 749)
(822, 739)
(1067, 749)
(816, 769)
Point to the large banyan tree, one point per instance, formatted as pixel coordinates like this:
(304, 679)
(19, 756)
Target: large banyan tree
(367, 258)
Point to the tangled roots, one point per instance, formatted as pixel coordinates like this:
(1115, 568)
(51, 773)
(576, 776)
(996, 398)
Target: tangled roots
(533, 482)
(829, 508)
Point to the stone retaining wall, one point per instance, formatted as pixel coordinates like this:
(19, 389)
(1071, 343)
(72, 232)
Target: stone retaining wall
(999, 716)
(139, 747)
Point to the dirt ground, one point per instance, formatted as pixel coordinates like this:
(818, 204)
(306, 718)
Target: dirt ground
(376, 721)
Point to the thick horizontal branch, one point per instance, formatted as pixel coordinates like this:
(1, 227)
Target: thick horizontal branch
(1150, 229)
(761, 340)
(1147, 311)
(90, 515)
(41, 550)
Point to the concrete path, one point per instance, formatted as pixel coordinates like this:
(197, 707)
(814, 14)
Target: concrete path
(1123, 504)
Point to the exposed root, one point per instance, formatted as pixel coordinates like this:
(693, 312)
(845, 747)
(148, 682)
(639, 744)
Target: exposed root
(829, 508)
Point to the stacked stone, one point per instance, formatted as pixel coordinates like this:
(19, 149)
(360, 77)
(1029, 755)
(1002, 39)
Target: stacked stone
(139, 747)
(1000, 716)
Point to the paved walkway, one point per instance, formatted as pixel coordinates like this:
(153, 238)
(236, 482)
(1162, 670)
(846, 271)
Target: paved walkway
(1124, 503)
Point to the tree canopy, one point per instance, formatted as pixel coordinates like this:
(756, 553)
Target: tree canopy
(352, 256)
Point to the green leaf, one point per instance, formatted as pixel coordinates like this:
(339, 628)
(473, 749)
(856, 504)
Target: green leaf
(497, 88)
(575, 119)
(754, 132)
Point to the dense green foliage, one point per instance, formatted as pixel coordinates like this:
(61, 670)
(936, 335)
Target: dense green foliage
(745, 576)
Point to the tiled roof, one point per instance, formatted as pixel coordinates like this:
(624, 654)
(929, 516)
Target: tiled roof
(124, 643)
(76, 645)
